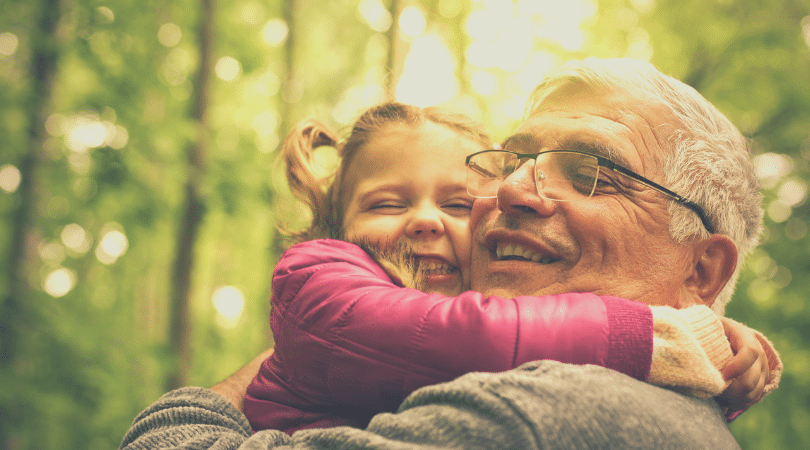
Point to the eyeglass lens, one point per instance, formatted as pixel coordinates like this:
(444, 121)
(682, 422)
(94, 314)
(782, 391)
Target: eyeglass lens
(487, 170)
(560, 176)
(565, 176)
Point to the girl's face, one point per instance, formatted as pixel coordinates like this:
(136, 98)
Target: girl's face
(409, 184)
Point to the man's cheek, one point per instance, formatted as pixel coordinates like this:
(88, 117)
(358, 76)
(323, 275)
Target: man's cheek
(481, 208)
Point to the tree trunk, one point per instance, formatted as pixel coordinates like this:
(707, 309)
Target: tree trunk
(291, 89)
(395, 50)
(16, 315)
(193, 208)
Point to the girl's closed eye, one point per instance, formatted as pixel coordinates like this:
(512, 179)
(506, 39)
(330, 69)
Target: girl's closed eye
(388, 207)
(458, 207)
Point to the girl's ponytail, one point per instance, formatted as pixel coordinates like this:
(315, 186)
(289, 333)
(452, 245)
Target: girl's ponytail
(305, 184)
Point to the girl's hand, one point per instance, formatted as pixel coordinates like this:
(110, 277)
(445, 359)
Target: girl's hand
(748, 370)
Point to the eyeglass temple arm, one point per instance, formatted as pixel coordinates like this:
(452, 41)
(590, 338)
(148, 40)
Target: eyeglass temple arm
(682, 200)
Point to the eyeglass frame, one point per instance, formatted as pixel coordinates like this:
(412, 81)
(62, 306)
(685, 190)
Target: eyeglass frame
(604, 162)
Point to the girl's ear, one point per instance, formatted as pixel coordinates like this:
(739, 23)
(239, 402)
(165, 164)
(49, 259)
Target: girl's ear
(713, 264)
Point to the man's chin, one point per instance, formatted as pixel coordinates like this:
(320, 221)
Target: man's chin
(505, 287)
(514, 283)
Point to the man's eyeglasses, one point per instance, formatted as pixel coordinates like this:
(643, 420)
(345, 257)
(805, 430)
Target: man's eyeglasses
(560, 175)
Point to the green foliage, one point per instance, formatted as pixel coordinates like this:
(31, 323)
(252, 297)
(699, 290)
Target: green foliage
(87, 360)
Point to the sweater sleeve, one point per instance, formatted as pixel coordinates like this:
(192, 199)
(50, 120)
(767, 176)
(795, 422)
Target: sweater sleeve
(539, 405)
(689, 350)
(193, 418)
(347, 335)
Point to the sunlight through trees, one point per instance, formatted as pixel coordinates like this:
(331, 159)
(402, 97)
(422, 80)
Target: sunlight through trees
(141, 197)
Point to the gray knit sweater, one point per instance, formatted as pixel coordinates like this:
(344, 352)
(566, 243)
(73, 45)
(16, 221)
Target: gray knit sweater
(539, 405)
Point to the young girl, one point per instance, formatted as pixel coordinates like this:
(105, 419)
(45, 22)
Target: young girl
(350, 342)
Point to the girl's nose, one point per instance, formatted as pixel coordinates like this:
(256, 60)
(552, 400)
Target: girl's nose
(425, 224)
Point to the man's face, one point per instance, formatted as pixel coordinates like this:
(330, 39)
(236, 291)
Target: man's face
(612, 244)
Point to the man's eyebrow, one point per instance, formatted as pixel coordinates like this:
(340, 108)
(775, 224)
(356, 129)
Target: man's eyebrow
(596, 148)
(524, 140)
(529, 141)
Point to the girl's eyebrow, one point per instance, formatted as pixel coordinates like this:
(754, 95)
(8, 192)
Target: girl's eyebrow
(388, 187)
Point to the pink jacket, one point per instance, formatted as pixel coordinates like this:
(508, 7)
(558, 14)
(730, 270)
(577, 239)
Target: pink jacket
(349, 343)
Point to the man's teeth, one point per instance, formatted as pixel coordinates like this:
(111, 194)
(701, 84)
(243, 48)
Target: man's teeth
(506, 250)
(437, 269)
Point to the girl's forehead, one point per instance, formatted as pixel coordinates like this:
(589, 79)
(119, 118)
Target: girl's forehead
(428, 141)
(428, 153)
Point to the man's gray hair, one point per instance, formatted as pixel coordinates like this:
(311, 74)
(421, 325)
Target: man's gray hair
(707, 159)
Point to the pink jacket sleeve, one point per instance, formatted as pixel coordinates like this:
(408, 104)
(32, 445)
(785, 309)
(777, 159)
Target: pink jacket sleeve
(352, 343)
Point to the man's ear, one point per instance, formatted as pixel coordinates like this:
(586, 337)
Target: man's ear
(713, 264)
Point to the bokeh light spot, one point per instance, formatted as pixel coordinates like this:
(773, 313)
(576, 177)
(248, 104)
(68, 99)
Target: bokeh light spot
(169, 34)
(643, 6)
(275, 31)
(778, 211)
(10, 178)
(106, 13)
(429, 74)
(375, 15)
(795, 229)
(355, 100)
(412, 22)
(266, 122)
(112, 245)
(229, 302)
(176, 66)
(59, 282)
(76, 238)
(227, 68)
(792, 192)
(51, 252)
(8, 43)
(85, 133)
(771, 167)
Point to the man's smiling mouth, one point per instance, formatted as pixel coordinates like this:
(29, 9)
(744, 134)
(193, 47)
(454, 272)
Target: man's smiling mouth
(517, 252)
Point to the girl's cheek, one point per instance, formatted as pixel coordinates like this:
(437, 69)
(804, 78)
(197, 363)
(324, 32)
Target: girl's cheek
(462, 246)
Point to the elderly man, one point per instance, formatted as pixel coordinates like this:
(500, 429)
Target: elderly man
(621, 181)
(609, 236)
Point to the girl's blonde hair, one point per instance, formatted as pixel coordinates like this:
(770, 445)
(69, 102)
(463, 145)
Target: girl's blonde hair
(326, 197)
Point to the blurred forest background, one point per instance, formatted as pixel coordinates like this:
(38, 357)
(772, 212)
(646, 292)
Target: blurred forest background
(139, 194)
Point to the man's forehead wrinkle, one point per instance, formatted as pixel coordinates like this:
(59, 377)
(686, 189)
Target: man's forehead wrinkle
(661, 123)
(598, 148)
(651, 132)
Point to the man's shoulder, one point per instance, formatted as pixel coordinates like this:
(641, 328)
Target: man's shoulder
(586, 406)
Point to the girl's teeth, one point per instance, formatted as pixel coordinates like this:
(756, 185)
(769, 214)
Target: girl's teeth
(437, 269)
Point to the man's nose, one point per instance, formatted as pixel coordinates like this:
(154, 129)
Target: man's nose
(518, 193)
(425, 224)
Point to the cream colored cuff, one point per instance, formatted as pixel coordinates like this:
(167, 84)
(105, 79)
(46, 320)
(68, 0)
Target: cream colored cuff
(689, 349)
